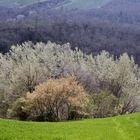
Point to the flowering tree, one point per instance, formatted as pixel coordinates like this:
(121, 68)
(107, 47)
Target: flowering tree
(54, 100)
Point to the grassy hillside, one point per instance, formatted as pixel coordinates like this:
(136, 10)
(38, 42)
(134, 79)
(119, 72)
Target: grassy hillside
(116, 128)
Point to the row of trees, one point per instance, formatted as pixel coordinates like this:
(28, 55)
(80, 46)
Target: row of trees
(51, 82)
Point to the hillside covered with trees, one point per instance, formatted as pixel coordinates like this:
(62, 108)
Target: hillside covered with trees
(113, 27)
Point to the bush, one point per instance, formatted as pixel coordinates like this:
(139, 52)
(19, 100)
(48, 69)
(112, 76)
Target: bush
(54, 100)
(18, 110)
(106, 104)
(3, 106)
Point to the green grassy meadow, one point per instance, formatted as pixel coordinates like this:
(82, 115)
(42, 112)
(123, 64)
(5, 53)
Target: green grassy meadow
(117, 128)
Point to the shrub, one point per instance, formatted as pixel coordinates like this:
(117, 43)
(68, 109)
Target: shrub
(55, 99)
(18, 110)
(3, 106)
(106, 104)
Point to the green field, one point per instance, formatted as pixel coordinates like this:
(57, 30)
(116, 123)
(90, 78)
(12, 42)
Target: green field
(116, 128)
